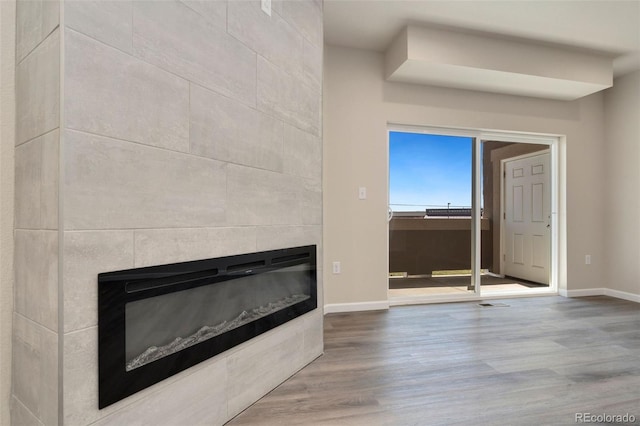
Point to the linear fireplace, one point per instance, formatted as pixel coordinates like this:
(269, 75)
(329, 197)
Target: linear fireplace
(156, 321)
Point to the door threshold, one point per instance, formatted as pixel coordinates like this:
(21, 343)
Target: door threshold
(530, 292)
(452, 298)
(425, 300)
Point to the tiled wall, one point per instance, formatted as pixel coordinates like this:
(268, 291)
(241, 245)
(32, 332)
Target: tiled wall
(190, 130)
(35, 359)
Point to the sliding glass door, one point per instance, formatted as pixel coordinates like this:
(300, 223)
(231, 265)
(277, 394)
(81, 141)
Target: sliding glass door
(431, 239)
(468, 215)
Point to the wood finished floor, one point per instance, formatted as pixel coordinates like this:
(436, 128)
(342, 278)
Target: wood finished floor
(536, 362)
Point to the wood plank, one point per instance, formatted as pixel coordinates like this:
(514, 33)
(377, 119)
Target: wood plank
(536, 361)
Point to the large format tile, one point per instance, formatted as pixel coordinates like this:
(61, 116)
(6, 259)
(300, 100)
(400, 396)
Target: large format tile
(35, 20)
(312, 64)
(86, 254)
(285, 236)
(20, 415)
(270, 36)
(311, 202)
(261, 197)
(276, 6)
(112, 184)
(227, 130)
(175, 37)
(263, 363)
(28, 161)
(80, 372)
(162, 246)
(37, 183)
(36, 276)
(35, 369)
(113, 94)
(313, 334)
(197, 399)
(306, 17)
(214, 11)
(302, 153)
(108, 21)
(286, 96)
(50, 176)
(38, 90)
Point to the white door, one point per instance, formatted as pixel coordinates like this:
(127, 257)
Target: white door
(527, 217)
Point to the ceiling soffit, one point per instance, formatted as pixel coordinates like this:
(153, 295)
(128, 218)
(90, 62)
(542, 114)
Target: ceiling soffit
(447, 58)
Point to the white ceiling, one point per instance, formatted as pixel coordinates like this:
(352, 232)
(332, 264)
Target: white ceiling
(611, 27)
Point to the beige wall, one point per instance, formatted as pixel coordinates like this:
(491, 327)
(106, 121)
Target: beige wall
(358, 104)
(7, 137)
(622, 159)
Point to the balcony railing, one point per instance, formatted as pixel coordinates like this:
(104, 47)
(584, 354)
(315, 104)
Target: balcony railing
(420, 244)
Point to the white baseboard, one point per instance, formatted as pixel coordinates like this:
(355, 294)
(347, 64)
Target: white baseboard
(601, 292)
(622, 295)
(333, 308)
(379, 305)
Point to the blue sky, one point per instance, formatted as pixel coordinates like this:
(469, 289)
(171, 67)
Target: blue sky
(429, 170)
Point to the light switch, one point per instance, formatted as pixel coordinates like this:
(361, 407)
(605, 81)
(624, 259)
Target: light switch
(266, 7)
(362, 193)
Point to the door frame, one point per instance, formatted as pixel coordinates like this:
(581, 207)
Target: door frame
(556, 145)
(503, 196)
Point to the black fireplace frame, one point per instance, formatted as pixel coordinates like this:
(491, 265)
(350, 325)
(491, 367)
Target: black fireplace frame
(116, 289)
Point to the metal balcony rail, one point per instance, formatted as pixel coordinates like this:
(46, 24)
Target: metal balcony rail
(439, 211)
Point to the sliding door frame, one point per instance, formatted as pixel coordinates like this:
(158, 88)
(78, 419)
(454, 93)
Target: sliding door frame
(478, 136)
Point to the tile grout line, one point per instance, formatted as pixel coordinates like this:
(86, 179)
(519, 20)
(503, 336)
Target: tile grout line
(37, 45)
(144, 145)
(36, 137)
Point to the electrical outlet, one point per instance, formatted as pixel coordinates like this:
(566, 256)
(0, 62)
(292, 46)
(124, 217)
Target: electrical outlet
(336, 267)
(266, 6)
(587, 259)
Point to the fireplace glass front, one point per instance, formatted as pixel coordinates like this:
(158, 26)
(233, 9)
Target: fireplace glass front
(154, 322)
(159, 326)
